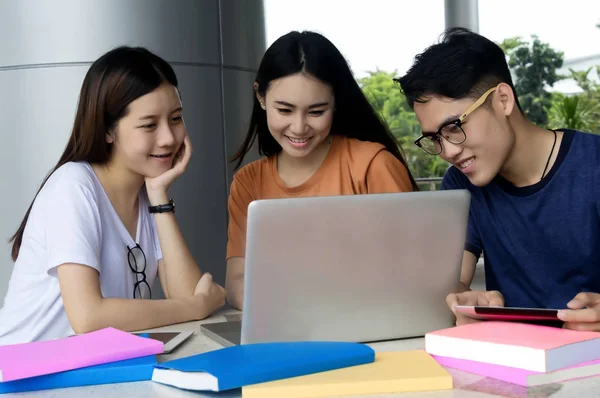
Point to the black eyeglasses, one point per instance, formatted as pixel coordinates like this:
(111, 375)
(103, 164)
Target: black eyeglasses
(137, 262)
(432, 142)
(452, 131)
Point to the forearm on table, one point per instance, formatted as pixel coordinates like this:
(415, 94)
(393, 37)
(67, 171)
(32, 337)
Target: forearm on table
(180, 269)
(132, 314)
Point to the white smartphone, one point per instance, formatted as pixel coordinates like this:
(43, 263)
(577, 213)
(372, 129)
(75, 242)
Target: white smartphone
(171, 340)
(508, 313)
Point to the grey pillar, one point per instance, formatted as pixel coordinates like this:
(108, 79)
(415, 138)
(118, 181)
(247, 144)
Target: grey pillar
(462, 13)
(45, 50)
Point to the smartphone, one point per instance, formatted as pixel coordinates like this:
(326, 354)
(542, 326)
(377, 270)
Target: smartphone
(171, 340)
(508, 313)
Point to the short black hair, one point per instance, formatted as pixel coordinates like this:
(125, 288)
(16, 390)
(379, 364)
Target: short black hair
(463, 64)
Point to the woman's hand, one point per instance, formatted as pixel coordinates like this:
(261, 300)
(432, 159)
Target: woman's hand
(208, 297)
(157, 186)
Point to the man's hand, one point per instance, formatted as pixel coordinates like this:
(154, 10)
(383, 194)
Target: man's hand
(584, 312)
(491, 298)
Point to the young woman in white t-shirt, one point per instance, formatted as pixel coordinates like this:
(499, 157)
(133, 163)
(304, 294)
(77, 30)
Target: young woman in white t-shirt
(102, 226)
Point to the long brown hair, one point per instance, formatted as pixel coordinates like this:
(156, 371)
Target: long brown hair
(113, 81)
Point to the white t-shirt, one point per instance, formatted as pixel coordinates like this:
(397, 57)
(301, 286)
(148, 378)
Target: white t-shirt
(72, 221)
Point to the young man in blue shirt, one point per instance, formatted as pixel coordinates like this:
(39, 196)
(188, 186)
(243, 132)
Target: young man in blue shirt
(535, 193)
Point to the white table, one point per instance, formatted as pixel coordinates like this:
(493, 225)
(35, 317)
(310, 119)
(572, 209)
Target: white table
(465, 385)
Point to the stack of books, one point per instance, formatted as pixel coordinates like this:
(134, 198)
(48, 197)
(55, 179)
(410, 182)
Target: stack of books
(305, 370)
(279, 369)
(101, 357)
(520, 353)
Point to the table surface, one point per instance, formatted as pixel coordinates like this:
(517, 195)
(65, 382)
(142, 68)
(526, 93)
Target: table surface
(466, 385)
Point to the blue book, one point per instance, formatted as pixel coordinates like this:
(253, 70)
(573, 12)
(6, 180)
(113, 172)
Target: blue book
(242, 365)
(137, 369)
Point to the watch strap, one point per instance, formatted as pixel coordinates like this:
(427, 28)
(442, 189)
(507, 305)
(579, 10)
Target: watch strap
(163, 208)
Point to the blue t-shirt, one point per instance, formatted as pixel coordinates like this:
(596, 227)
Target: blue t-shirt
(541, 243)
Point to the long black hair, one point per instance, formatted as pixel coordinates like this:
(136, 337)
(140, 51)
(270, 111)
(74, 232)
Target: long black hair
(113, 81)
(312, 53)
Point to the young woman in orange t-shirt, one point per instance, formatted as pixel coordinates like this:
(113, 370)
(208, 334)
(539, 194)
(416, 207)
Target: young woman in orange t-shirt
(319, 136)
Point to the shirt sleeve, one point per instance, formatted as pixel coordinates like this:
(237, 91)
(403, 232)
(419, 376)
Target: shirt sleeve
(473, 241)
(239, 199)
(73, 226)
(386, 174)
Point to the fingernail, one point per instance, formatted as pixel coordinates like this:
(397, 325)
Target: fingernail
(561, 315)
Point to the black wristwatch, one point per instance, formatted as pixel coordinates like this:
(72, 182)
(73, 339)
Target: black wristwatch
(163, 208)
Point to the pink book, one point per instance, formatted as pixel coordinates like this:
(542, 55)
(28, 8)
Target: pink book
(517, 345)
(526, 378)
(20, 361)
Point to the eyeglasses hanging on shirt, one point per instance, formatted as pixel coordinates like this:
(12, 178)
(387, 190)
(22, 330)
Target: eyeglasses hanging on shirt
(137, 262)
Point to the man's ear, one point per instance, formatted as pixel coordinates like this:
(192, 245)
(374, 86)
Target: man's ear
(507, 98)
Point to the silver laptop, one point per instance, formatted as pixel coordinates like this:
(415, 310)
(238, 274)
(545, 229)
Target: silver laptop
(357, 268)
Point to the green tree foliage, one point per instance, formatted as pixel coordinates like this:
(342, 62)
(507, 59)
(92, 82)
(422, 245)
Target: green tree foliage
(534, 67)
(574, 112)
(581, 111)
(385, 96)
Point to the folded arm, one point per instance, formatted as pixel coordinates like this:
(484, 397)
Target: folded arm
(240, 196)
(234, 282)
(88, 310)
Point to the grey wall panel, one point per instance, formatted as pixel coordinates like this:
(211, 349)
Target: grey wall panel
(243, 33)
(58, 31)
(200, 194)
(37, 110)
(237, 95)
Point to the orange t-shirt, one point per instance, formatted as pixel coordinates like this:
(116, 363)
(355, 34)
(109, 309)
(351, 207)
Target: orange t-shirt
(351, 167)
